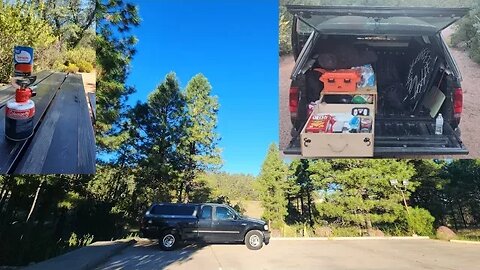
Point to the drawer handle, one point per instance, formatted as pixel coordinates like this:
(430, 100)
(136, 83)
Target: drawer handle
(339, 150)
(306, 141)
(367, 141)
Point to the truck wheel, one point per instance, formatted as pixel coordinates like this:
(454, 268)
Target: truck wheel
(168, 241)
(254, 240)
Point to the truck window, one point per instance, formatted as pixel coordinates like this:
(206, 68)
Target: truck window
(173, 210)
(206, 212)
(224, 213)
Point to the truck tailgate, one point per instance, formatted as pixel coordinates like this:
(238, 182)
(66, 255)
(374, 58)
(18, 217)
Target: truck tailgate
(396, 136)
(405, 136)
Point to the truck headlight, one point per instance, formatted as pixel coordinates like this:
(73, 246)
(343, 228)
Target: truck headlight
(265, 227)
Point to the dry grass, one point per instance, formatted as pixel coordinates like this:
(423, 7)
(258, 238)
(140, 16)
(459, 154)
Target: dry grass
(469, 234)
(253, 209)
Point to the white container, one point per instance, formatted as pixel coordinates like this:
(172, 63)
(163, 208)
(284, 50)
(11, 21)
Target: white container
(439, 125)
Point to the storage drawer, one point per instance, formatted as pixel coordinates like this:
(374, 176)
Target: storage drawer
(339, 144)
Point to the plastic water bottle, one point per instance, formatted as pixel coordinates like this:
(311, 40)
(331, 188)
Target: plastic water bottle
(439, 125)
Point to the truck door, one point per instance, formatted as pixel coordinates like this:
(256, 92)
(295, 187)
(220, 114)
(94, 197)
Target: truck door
(226, 226)
(205, 224)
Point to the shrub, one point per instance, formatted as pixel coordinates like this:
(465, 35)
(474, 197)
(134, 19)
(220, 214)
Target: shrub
(78, 55)
(74, 241)
(284, 43)
(71, 68)
(346, 231)
(420, 221)
(468, 34)
(84, 66)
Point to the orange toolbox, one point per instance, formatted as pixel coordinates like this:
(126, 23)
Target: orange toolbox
(340, 80)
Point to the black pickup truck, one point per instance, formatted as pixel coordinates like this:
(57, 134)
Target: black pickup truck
(417, 77)
(171, 223)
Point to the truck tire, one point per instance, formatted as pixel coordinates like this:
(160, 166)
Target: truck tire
(168, 240)
(254, 240)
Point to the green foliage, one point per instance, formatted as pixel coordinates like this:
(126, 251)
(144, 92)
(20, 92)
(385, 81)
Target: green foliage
(74, 241)
(198, 143)
(468, 34)
(71, 20)
(348, 231)
(358, 192)
(84, 58)
(113, 55)
(71, 68)
(420, 221)
(233, 186)
(272, 185)
(285, 32)
(84, 66)
(469, 234)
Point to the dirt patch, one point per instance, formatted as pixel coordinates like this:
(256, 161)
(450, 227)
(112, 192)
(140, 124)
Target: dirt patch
(90, 85)
(89, 81)
(469, 126)
(470, 123)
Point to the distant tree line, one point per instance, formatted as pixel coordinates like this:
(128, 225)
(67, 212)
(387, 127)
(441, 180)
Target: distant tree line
(357, 196)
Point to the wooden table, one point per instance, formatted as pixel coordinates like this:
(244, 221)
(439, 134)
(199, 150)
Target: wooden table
(63, 141)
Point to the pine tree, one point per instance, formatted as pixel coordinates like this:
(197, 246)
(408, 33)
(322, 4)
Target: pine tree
(272, 187)
(199, 143)
(359, 193)
(114, 53)
(160, 126)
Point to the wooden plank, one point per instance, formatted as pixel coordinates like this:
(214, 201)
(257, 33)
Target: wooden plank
(93, 104)
(64, 142)
(9, 92)
(10, 151)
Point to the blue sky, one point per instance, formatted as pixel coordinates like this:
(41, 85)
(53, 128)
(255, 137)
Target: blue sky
(235, 45)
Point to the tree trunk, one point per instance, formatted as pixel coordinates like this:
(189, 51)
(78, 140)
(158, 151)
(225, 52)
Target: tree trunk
(35, 200)
(301, 205)
(461, 214)
(453, 217)
(309, 205)
(180, 192)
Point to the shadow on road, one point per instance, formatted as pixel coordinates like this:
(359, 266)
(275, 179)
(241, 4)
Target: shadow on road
(148, 255)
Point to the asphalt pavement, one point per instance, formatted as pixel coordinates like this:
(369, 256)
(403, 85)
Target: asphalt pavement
(303, 254)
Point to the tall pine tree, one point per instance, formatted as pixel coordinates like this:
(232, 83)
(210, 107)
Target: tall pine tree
(272, 187)
(199, 143)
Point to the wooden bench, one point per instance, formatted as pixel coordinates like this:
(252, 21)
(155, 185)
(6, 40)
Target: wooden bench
(63, 141)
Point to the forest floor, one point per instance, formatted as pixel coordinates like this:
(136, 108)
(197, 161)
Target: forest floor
(469, 126)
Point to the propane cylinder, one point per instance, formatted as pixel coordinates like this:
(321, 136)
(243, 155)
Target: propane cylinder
(19, 114)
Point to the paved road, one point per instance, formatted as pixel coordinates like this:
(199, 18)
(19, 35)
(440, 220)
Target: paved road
(302, 254)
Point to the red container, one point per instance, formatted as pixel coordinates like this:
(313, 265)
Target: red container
(320, 123)
(340, 80)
